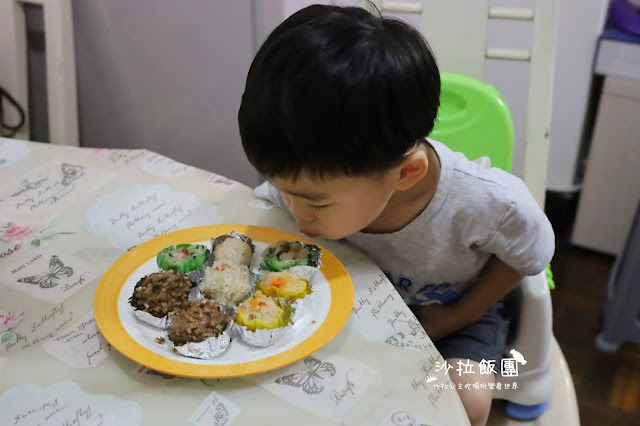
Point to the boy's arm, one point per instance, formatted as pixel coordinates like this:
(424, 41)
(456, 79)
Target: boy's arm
(496, 280)
(522, 244)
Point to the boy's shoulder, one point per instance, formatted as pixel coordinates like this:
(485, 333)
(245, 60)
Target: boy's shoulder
(495, 210)
(477, 187)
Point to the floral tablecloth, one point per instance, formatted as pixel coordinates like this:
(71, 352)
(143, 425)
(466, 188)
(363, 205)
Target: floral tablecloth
(66, 214)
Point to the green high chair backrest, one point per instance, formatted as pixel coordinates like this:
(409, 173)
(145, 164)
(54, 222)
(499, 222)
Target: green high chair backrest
(474, 119)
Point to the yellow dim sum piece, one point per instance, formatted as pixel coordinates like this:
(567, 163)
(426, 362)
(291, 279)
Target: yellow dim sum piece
(285, 284)
(263, 312)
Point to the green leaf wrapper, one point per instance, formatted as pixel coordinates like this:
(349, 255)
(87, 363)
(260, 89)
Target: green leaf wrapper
(174, 258)
(275, 265)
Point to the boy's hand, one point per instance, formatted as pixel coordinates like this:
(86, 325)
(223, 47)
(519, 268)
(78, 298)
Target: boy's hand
(438, 320)
(496, 280)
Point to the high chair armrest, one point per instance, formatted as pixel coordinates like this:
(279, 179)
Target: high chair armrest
(534, 336)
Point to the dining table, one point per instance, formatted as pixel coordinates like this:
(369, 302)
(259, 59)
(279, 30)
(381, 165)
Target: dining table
(67, 214)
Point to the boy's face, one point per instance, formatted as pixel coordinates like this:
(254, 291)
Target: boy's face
(335, 207)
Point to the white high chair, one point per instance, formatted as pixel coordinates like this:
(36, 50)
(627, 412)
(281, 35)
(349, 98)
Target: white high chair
(457, 32)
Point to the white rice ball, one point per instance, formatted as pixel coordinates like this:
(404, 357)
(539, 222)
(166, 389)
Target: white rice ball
(233, 249)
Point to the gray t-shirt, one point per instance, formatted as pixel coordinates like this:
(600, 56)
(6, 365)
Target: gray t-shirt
(475, 212)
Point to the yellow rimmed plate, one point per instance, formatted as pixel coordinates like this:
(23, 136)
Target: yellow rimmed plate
(321, 318)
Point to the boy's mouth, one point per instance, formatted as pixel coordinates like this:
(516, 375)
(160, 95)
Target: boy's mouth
(309, 234)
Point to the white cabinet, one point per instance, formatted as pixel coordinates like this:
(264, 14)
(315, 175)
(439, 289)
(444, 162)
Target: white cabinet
(611, 188)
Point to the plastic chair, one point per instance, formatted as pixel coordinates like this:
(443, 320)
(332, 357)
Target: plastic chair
(474, 119)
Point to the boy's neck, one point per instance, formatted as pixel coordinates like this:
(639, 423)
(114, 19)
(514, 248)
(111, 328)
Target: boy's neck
(404, 206)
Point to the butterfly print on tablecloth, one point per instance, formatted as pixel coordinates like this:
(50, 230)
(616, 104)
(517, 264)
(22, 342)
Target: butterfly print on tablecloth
(50, 279)
(309, 379)
(70, 173)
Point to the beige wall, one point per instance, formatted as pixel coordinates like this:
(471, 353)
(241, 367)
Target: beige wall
(166, 76)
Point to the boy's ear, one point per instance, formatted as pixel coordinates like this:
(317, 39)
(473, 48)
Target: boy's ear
(413, 168)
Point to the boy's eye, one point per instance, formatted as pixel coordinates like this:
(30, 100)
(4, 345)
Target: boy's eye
(314, 207)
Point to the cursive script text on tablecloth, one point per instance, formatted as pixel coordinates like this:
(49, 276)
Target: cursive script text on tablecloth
(138, 213)
(50, 189)
(41, 329)
(221, 182)
(428, 369)
(160, 165)
(80, 345)
(65, 404)
(380, 314)
(124, 157)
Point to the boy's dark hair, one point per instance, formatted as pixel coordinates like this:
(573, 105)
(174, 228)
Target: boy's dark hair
(337, 91)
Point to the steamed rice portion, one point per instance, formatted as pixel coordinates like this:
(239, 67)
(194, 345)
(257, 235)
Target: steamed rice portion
(226, 282)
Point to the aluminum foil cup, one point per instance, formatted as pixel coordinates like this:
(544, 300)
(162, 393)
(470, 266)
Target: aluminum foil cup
(229, 311)
(197, 276)
(262, 337)
(163, 322)
(315, 253)
(306, 272)
(195, 294)
(267, 337)
(300, 305)
(207, 349)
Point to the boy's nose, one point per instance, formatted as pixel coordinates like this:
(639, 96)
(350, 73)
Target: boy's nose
(301, 213)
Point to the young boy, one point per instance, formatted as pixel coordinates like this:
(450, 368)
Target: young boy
(337, 107)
